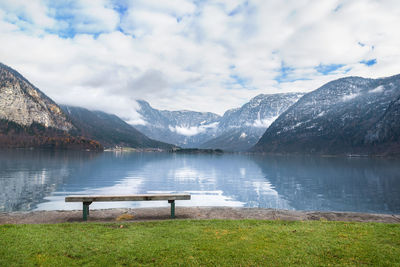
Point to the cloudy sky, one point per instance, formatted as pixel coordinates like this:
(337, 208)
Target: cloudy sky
(198, 55)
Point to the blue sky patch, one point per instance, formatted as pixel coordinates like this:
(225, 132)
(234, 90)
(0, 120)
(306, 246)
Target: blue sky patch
(19, 20)
(235, 11)
(286, 74)
(347, 70)
(369, 62)
(238, 9)
(72, 23)
(326, 69)
(285, 71)
(121, 7)
(239, 80)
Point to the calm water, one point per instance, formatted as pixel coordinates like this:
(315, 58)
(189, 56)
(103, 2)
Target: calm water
(39, 180)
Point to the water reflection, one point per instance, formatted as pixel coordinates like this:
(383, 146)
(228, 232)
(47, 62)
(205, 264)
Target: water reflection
(343, 184)
(211, 180)
(28, 176)
(40, 180)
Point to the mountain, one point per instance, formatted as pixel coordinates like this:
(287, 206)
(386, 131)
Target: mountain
(183, 128)
(23, 103)
(109, 129)
(351, 115)
(239, 129)
(28, 118)
(386, 133)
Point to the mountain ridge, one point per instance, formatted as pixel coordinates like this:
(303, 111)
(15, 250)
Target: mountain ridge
(240, 128)
(109, 129)
(350, 115)
(182, 127)
(29, 118)
(337, 118)
(237, 130)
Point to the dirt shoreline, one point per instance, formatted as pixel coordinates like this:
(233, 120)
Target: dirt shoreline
(148, 214)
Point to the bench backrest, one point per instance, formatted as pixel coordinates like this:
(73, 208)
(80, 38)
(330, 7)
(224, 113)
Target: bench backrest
(142, 197)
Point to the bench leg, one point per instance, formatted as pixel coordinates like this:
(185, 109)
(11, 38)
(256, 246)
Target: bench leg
(172, 202)
(86, 210)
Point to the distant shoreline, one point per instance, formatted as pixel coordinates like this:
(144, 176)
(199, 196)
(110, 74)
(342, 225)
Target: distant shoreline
(225, 213)
(204, 151)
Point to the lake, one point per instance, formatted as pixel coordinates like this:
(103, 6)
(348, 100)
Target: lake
(39, 180)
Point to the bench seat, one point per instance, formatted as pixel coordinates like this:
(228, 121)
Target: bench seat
(88, 199)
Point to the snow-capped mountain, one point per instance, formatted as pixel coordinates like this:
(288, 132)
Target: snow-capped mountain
(239, 129)
(347, 116)
(183, 128)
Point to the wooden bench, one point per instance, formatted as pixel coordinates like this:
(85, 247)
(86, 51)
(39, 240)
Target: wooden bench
(87, 200)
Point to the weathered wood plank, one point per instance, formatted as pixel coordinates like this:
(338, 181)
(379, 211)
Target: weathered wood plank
(143, 197)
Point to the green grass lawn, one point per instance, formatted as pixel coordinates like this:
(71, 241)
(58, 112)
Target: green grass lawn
(205, 242)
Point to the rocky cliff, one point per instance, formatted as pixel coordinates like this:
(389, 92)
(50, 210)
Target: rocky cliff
(23, 103)
(28, 118)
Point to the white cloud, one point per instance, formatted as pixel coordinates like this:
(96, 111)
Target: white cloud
(378, 89)
(95, 16)
(196, 55)
(192, 130)
(171, 7)
(187, 131)
(26, 13)
(263, 123)
(349, 97)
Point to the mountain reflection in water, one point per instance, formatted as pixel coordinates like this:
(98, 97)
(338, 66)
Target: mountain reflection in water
(32, 180)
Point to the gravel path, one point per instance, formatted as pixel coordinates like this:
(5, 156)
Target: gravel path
(146, 214)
